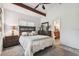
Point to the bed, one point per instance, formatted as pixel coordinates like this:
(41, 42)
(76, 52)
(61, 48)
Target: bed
(34, 43)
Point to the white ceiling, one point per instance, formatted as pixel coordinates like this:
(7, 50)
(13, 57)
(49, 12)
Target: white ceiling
(33, 5)
(39, 8)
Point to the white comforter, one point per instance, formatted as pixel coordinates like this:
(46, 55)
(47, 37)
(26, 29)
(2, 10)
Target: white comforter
(32, 44)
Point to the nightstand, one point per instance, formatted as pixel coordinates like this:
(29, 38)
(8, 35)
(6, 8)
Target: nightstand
(57, 35)
(9, 41)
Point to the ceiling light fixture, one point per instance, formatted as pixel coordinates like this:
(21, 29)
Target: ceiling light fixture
(43, 7)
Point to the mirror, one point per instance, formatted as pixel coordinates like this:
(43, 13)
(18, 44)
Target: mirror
(45, 26)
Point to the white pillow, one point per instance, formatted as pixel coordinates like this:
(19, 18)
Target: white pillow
(24, 33)
(29, 34)
(33, 33)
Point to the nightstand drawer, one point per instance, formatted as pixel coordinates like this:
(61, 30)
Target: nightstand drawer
(12, 39)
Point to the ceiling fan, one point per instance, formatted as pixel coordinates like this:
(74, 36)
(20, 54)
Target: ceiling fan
(43, 5)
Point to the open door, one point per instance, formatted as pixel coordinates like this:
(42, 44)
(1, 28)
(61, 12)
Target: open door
(56, 31)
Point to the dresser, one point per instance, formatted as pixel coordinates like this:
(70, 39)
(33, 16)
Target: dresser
(9, 41)
(57, 34)
(48, 33)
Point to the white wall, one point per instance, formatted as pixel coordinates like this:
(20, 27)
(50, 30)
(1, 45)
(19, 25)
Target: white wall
(13, 18)
(68, 14)
(11, 11)
(70, 25)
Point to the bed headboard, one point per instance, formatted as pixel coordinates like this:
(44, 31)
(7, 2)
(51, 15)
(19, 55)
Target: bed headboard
(26, 29)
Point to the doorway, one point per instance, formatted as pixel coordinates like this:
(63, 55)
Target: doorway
(56, 32)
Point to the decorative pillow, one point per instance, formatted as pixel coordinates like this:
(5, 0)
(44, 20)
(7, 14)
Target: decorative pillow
(24, 33)
(29, 34)
(34, 33)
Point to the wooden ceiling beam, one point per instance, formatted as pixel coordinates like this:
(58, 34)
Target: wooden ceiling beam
(30, 8)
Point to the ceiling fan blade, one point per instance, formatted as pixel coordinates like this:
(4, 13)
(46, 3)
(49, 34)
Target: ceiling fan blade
(37, 6)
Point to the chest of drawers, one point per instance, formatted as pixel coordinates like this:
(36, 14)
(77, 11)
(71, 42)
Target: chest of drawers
(9, 41)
